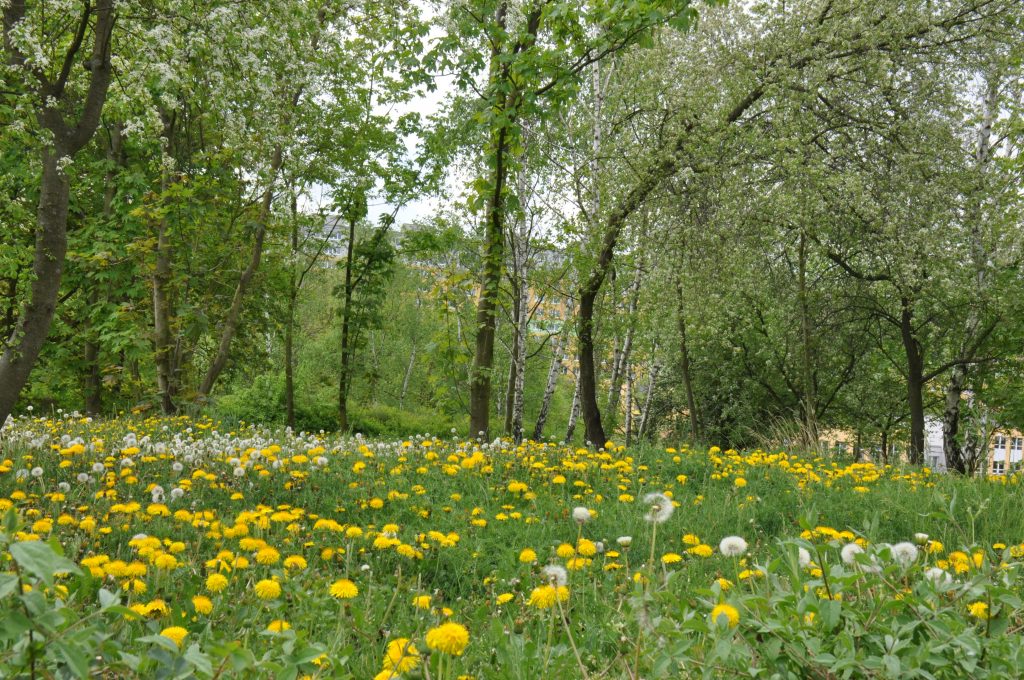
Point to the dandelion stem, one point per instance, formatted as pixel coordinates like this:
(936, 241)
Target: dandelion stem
(572, 642)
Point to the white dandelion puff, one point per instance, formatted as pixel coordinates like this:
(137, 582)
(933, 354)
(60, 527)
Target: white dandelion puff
(661, 508)
(581, 515)
(849, 552)
(555, 575)
(803, 557)
(939, 577)
(732, 546)
(905, 553)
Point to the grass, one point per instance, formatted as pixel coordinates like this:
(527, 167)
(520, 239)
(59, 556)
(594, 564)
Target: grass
(448, 518)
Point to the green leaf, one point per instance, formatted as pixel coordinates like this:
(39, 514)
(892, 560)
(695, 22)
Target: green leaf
(76, 659)
(8, 584)
(41, 560)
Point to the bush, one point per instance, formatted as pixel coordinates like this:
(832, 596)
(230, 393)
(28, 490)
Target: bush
(263, 402)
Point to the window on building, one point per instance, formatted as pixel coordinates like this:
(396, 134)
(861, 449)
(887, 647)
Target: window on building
(998, 467)
(1016, 446)
(1000, 443)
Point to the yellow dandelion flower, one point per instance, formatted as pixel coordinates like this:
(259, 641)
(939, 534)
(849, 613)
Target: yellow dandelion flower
(448, 638)
(267, 589)
(725, 613)
(175, 633)
(344, 589)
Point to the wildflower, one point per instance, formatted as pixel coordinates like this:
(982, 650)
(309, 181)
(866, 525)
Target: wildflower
(904, 553)
(448, 638)
(624, 541)
(978, 610)
(545, 597)
(938, 576)
(702, 550)
(278, 626)
(216, 582)
(175, 633)
(401, 656)
(661, 508)
(527, 556)
(739, 482)
(267, 589)
(202, 604)
(504, 598)
(421, 601)
(732, 546)
(920, 538)
(671, 558)
(555, 574)
(268, 556)
(725, 613)
(691, 539)
(565, 551)
(849, 552)
(581, 515)
(803, 557)
(344, 589)
(586, 548)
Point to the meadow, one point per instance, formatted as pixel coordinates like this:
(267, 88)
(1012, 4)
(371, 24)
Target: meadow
(175, 548)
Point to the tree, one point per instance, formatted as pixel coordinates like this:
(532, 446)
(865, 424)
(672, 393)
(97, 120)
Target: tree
(66, 106)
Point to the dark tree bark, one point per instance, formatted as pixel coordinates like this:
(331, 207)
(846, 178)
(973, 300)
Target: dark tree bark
(93, 370)
(915, 381)
(69, 136)
(346, 328)
(809, 403)
(163, 353)
(494, 256)
(623, 354)
(234, 315)
(684, 352)
(93, 387)
(507, 94)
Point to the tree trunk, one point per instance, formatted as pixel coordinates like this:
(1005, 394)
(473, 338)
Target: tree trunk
(915, 382)
(810, 399)
(289, 359)
(951, 420)
(629, 404)
(557, 359)
(408, 375)
(346, 326)
(513, 369)
(230, 326)
(494, 256)
(289, 328)
(623, 355)
(574, 412)
(26, 342)
(69, 136)
(519, 384)
(93, 371)
(163, 353)
(955, 455)
(648, 398)
(691, 402)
